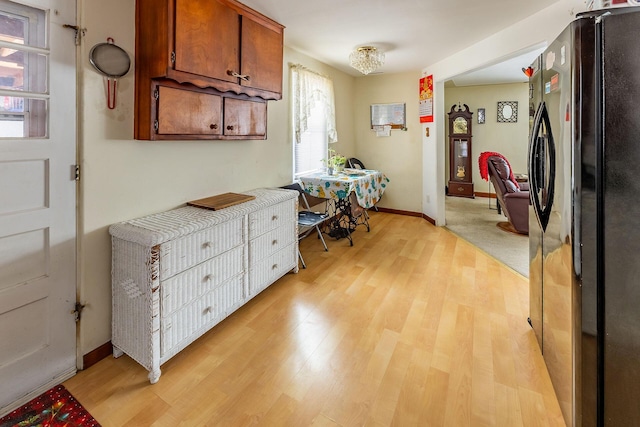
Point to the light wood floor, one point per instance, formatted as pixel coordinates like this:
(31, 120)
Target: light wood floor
(411, 326)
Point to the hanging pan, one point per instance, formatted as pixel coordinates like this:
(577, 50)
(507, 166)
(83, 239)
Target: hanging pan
(112, 62)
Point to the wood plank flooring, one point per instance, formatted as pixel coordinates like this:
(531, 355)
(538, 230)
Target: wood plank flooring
(411, 326)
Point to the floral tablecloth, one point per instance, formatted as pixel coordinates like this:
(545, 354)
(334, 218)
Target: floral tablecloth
(367, 184)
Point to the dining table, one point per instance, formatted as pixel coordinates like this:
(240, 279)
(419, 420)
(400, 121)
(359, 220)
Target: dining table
(341, 189)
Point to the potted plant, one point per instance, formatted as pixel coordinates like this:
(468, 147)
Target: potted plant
(335, 162)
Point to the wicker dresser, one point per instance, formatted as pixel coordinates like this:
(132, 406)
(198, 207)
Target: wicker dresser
(178, 273)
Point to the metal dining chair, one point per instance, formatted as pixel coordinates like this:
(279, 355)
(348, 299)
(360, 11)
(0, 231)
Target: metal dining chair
(308, 221)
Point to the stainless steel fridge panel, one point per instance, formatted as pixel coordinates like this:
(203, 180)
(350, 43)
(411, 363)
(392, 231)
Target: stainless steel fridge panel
(535, 232)
(585, 124)
(621, 219)
(585, 295)
(557, 295)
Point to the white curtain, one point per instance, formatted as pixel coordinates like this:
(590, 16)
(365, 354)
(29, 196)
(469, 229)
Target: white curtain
(310, 88)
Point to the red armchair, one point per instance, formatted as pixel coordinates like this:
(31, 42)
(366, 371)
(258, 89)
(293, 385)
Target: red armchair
(513, 197)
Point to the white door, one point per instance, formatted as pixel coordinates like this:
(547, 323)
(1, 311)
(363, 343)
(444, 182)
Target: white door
(37, 198)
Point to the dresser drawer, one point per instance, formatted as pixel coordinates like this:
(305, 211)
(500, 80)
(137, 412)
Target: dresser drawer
(271, 242)
(265, 272)
(201, 314)
(181, 254)
(271, 217)
(181, 289)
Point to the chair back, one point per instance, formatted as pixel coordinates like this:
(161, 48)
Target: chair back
(355, 163)
(296, 186)
(500, 174)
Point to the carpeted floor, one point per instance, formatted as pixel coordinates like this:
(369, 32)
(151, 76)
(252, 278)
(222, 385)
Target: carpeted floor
(53, 408)
(475, 221)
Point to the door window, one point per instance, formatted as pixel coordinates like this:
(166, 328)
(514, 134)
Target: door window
(24, 66)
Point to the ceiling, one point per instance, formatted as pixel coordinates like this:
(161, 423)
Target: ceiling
(412, 33)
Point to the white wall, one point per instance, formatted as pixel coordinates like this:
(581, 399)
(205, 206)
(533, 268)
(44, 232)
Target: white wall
(509, 139)
(398, 155)
(543, 27)
(123, 178)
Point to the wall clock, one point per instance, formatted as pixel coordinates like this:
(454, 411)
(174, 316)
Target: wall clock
(460, 158)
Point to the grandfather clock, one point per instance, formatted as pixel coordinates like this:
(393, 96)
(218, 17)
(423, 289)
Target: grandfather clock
(460, 183)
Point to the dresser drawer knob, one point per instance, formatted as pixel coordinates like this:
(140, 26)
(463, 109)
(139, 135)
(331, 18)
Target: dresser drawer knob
(274, 242)
(208, 277)
(208, 310)
(206, 245)
(274, 267)
(274, 218)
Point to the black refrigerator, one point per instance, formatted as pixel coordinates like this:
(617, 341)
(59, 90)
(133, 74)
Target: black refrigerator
(584, 219)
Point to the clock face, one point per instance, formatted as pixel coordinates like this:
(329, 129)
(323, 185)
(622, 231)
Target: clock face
(460, 125)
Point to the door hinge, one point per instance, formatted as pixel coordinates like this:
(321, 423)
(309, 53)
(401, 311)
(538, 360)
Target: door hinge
(156, 94)
(77, 311)
(76, 172)
(80, 32)
(173, 57)
(156, 125)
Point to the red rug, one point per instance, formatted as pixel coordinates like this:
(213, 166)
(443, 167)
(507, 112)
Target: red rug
(53, 408)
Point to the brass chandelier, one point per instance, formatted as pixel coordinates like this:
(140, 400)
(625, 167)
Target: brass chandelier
(366, 59)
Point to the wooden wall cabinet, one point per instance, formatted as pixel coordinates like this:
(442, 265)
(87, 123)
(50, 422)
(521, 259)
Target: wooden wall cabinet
(217, 48)
(191, 113)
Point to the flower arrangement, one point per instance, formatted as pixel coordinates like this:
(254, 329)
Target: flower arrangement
(335, 161)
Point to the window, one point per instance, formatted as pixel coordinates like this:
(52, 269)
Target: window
(313, 119)
(23, 72)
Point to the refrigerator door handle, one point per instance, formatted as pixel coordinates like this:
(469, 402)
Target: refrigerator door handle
(542, 166)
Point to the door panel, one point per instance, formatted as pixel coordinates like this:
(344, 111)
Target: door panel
(37, 199)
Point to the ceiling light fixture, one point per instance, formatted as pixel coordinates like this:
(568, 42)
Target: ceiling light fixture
(366, 59)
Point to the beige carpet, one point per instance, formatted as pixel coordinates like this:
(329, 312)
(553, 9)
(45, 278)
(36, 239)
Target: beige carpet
(475, 221)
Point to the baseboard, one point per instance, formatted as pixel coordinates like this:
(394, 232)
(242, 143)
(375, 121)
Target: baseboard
(94, 356)
(487, 195)
(408, 213)
(399, 212)
(429, 219)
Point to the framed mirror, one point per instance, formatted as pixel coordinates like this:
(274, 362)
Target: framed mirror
(507, 111)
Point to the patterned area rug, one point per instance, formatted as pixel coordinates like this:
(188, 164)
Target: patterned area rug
(56, 407)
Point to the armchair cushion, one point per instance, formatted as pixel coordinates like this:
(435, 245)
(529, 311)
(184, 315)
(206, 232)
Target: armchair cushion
(511, 187)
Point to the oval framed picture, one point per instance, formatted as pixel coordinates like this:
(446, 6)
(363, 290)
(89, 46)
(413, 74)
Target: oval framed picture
(507, 111)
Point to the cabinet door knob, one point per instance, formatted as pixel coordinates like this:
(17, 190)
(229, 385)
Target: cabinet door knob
(230, 127)
(213, 126)
(244, 77)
